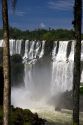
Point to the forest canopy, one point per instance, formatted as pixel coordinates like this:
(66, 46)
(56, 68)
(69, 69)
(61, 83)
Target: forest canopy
(41, 34)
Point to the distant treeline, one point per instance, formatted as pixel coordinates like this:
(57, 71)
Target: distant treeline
(41, 34)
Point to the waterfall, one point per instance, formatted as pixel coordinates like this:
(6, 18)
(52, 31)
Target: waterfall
(1, 43)
(61, 56)
(26, 49)
(62, 71)
(15, 46)
(18, 46)
(82, 50)
(28, 78)
(71, 56)
(31, 51)
(12, 47)
(44, 77)
(35, 51)
(37, 48)
(42, 49)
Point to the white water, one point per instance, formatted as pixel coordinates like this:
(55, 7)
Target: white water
(44, 78)
(62, 70)
(61, 56)
(1, 43)
(42, 49)
(15, 46)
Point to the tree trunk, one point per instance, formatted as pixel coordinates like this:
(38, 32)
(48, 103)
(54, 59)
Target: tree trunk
(6, 64)
(76, 71)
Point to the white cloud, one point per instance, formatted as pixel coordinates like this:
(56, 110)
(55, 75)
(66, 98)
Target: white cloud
(20, 13)
(61, 4)
(42, 25)
(17, 12)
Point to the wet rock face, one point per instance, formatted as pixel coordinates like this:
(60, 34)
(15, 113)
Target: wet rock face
(57, 47)
(17, 70)
(48, 48)
(69, 49)
(65, 101)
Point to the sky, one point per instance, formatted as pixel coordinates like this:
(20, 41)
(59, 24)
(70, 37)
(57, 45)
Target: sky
(34, 14)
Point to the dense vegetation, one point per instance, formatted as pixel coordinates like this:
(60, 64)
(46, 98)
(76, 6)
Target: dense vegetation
(22, 117)
(41, 34)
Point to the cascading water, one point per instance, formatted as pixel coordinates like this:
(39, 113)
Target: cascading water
(44, 77)
(12, 47)
(34, 51)
(15, 46)
(1, 43)
(62, 68)
(42, 49)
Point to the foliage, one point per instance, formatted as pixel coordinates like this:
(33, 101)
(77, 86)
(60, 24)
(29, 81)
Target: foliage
(22, 117)
(41, 34)
(81, 90)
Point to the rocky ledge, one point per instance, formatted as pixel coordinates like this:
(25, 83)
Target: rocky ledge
(21, 116)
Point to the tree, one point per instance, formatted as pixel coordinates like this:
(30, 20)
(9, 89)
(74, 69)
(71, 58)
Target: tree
(6, 64)
(76, 71)
(1, 85)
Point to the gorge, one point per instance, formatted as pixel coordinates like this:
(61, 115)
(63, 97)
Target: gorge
(48, 72)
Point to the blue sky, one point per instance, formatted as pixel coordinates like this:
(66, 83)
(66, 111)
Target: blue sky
(33, 14)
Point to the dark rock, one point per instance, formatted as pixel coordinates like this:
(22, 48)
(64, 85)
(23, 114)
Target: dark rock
(17, 70)
(65, 101)
(57, 108)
